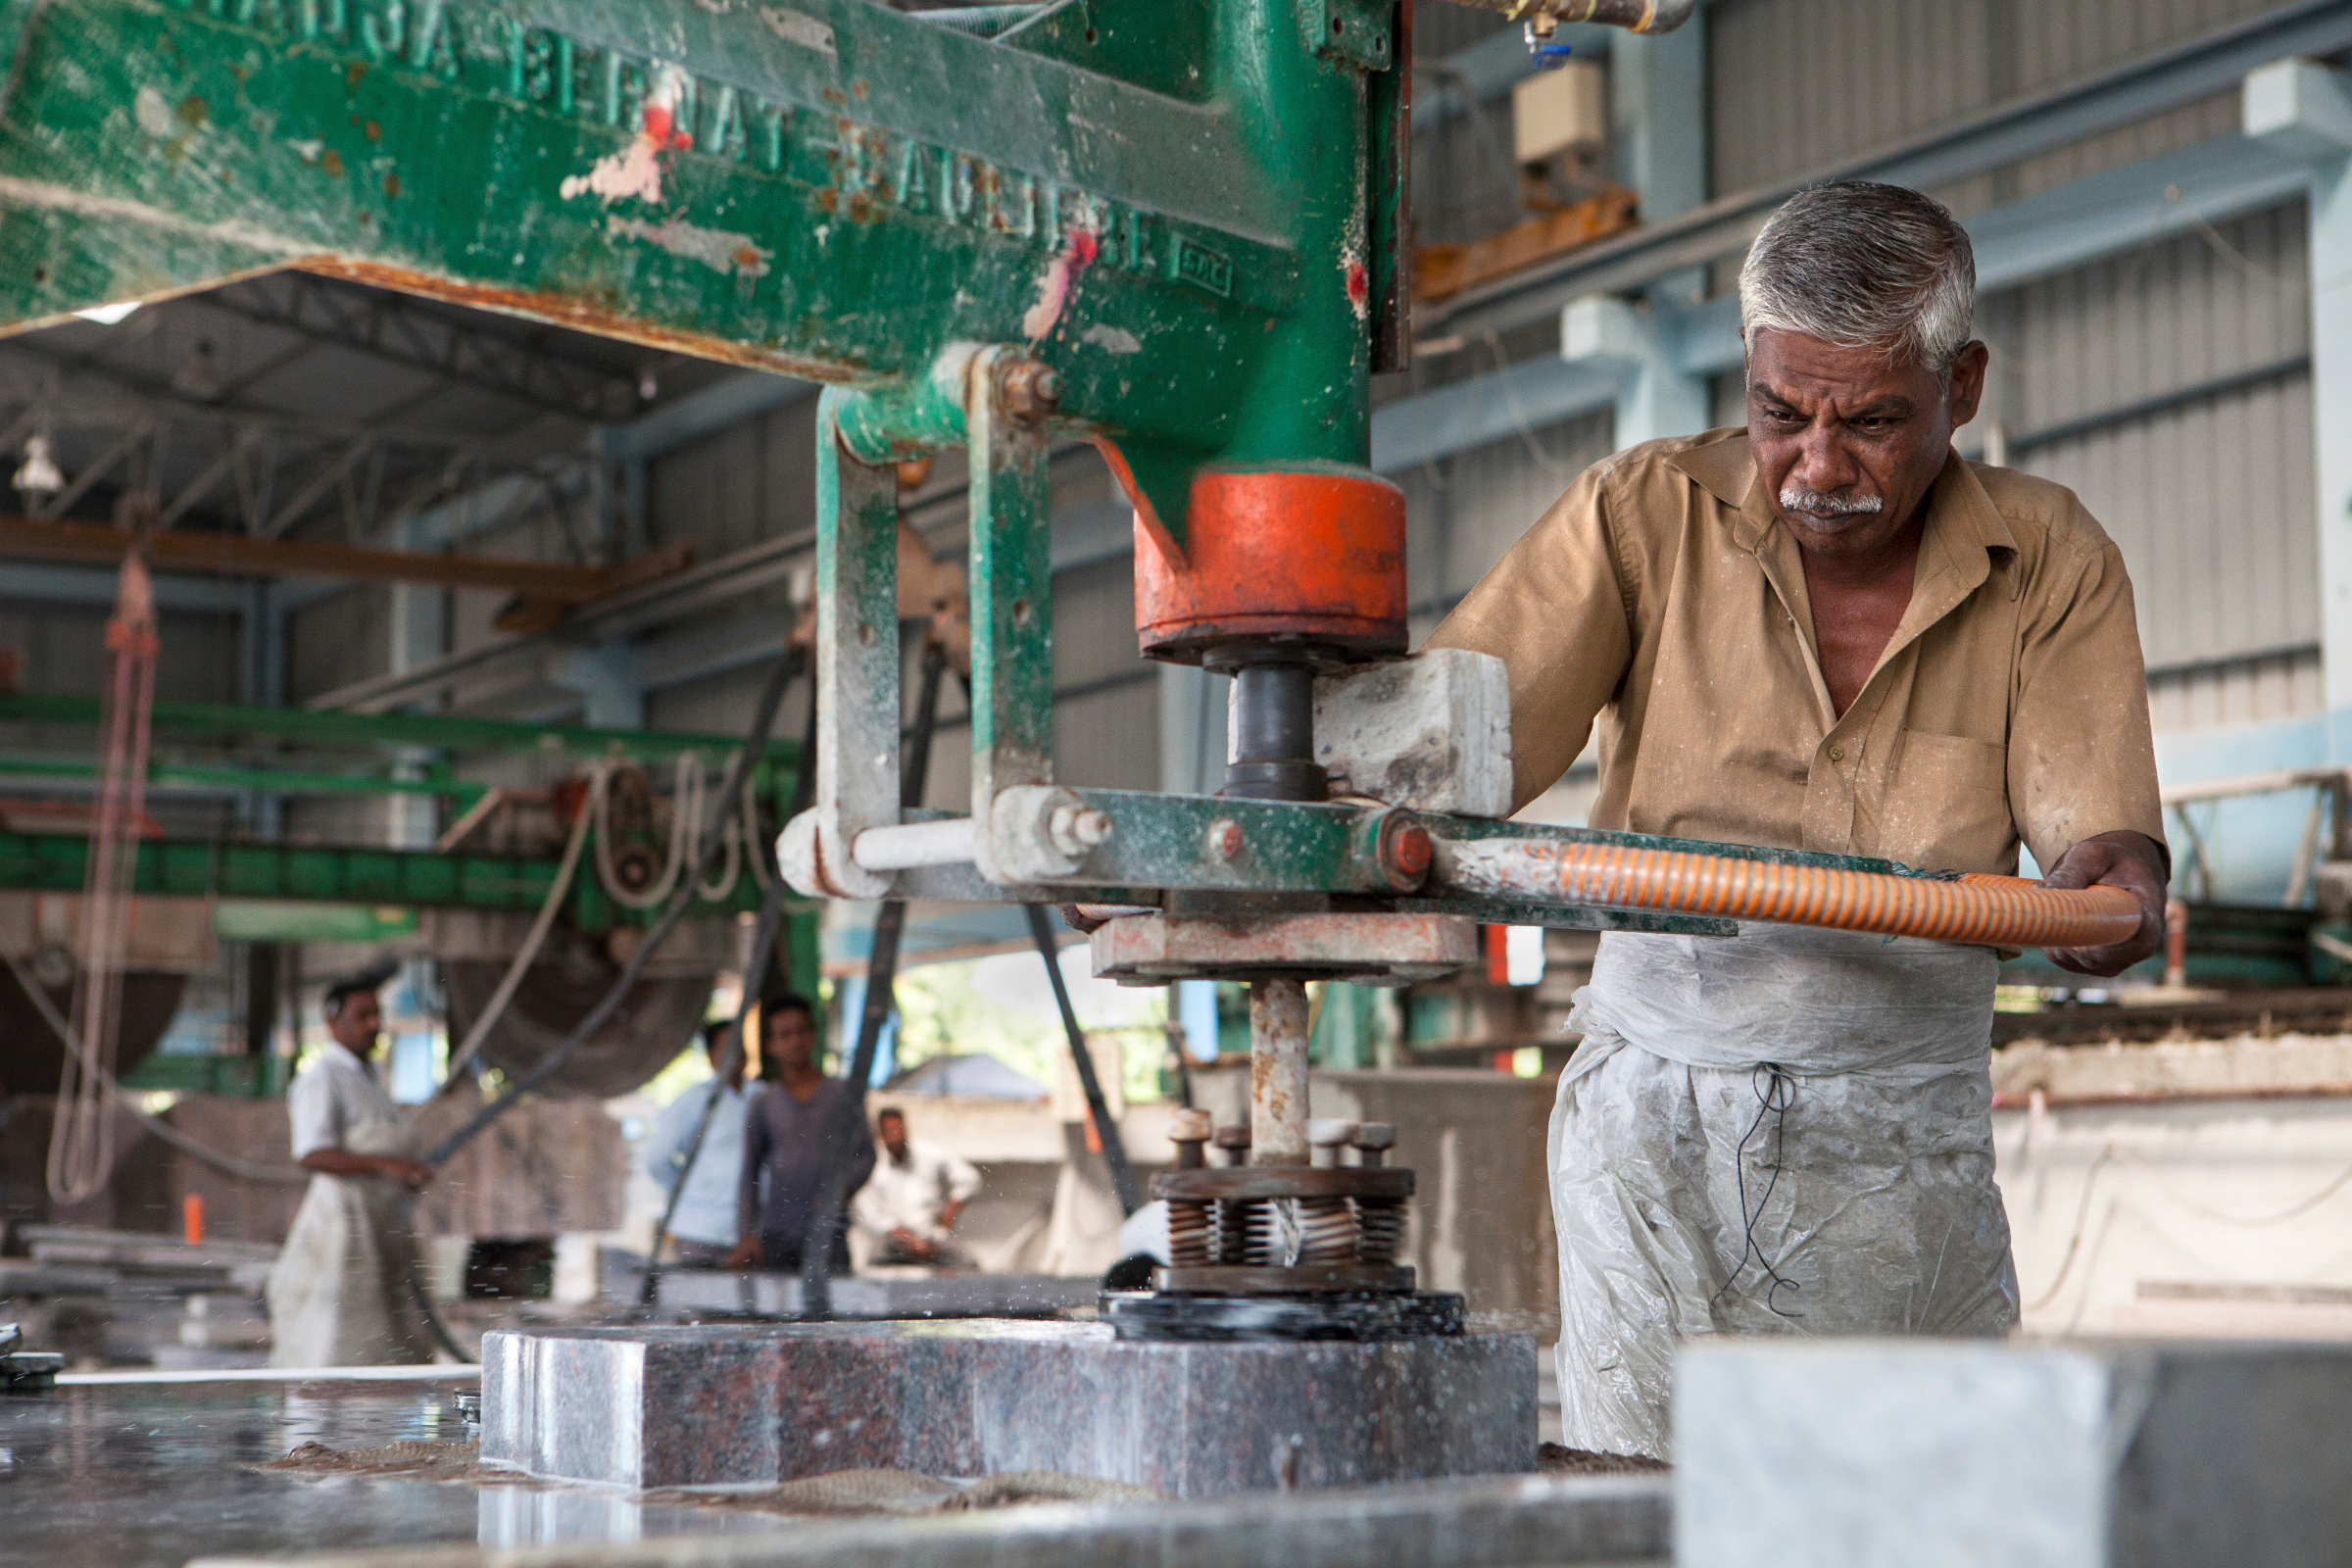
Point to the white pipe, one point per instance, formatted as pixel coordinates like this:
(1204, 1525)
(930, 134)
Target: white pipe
(912, 844)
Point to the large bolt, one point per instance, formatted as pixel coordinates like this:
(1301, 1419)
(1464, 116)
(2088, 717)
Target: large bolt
(1241, 1222)
(1404, 850)
(1373, 1140)
(1031, 390)
(1189, 1129)
(1225, 839)
(1328, 1135)
(1188, 1217)
(1077, 829)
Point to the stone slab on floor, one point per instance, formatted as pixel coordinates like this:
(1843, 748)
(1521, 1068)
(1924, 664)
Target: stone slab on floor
(2061, 1454)
(754, 1404)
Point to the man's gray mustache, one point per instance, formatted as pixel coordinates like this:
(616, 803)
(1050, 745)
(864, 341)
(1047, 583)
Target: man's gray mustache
(1797, 498)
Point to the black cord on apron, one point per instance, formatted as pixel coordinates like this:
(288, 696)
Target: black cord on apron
(1775, 1094)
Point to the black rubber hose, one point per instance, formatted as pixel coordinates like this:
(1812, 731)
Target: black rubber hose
(1115, 1147)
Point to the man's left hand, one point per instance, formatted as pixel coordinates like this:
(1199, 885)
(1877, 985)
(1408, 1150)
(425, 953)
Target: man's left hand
(2129, 860)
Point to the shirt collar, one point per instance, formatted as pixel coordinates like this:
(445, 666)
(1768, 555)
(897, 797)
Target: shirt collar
(1962, 520)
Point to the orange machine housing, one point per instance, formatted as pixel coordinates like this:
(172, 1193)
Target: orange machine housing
(1311, 555)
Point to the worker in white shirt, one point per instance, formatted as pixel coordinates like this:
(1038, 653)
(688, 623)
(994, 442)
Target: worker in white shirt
(704, 1227)
(913, 1200)
(343, 1292)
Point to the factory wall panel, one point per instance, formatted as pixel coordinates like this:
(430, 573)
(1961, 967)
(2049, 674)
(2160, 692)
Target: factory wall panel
(2211, 497)
(1464, 511)
(2151, 322)
(1796, 84)
(336, 641)
(1869, 73)
(2219, 538)
(2237, 691)
(723, 704)
(1465, 183)
(65, 651)
(746, 483)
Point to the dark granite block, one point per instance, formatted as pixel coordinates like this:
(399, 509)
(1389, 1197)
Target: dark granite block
(754, 1404)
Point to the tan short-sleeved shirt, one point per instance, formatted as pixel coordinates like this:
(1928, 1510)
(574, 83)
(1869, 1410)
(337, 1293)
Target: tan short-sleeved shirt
(1662, 596)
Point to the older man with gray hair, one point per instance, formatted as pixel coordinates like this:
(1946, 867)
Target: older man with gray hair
(1826, 632)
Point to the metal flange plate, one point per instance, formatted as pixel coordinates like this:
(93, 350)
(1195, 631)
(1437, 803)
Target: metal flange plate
(1283, 1181)
(1375, 948)
(1427, 1315)
(1307, 1279)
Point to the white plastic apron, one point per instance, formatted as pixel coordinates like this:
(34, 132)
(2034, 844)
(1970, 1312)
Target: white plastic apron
(1785, 1132)
(339, 1293)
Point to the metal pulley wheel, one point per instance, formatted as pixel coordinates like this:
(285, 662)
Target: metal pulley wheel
(637, 853)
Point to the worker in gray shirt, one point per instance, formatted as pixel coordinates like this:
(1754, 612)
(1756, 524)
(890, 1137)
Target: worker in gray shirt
(784, 1142)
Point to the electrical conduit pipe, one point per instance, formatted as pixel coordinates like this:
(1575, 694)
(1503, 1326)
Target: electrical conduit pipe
(1997, 912)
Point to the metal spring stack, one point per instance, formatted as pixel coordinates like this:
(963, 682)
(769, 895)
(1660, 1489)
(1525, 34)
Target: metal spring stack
(1327, 1226)
(1379, 1221)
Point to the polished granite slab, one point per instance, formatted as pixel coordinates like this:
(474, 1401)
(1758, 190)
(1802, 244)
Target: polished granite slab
(754, 1404)
(150, 1474)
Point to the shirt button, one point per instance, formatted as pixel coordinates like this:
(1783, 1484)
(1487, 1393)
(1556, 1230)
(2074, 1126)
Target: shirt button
(1836, 753)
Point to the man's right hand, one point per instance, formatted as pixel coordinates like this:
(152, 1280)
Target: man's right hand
(746, 1253)
(912, 1245)
(413, 1174)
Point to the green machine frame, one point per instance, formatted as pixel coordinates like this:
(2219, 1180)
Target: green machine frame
(1172, 226)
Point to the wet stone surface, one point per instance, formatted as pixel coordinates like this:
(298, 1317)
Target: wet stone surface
(150, 1475)
(738, 1405)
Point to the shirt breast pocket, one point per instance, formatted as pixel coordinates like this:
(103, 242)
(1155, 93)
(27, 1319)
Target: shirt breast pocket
(1952, 768)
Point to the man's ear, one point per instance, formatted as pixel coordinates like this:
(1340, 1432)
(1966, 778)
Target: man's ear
(1967, 385)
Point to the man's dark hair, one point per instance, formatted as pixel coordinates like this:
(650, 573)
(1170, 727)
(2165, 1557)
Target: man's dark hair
(714, 1035)
(891, 1113)
(783, 1002)
(370, 981)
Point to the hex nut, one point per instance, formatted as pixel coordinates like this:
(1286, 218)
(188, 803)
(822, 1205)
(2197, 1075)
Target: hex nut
(1190, 1126)
(1375, 1135)
(1031, 390)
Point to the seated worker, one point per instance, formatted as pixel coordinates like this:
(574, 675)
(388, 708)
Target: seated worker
(912, 1202)
(786, 1133)
(341, 1293)
(703, 1228)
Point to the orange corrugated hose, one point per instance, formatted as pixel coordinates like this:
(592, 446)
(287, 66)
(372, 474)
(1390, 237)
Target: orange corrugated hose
(2003, 912)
